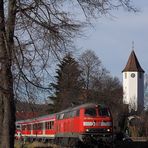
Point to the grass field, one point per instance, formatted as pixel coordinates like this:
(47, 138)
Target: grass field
(19, 144)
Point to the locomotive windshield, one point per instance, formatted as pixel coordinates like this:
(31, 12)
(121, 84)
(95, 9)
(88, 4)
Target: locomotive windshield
(90, 112)
(103, 111)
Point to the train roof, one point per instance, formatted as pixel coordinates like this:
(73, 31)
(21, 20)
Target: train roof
(86, 105)
(36, 119)
(53, 116)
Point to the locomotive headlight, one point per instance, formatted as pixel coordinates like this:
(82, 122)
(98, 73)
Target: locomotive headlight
(108, 130)
(87, 130)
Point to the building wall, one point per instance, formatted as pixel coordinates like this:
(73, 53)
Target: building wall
(133, 90)
(141, 91)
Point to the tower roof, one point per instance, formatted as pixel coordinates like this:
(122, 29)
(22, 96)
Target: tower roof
(133, 64)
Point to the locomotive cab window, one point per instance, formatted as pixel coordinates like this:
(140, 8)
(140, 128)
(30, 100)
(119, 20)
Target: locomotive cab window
(103, 111)
(90, 112)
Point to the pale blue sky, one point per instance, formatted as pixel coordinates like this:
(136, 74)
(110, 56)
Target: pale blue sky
(111, 38)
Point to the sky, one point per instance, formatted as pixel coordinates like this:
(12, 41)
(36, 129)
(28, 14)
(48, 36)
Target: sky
(111, 38)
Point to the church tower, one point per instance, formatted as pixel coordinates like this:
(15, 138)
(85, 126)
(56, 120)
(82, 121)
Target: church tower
(133, 84)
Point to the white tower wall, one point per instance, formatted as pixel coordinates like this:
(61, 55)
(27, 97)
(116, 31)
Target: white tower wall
(133, 90)
(130, 87)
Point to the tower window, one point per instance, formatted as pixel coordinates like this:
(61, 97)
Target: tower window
(125, 75)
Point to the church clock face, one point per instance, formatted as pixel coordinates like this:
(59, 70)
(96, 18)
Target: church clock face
(132, 75)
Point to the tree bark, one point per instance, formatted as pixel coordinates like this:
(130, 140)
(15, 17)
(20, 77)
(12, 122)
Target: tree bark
(7, 111)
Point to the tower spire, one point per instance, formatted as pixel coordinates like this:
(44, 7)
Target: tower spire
(133, 64)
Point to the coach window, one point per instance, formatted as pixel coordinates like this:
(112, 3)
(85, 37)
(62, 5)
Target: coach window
(77, 113)
(39, 126)
(34, 126)
(58, 116)
(47, 125)
(29, 127)
(66, 115)
(51, 124)
(24, 127)
(72, 113)
(61, 116)
(90, 112)
(18, 126)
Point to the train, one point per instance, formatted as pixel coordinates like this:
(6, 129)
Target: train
(84, 123)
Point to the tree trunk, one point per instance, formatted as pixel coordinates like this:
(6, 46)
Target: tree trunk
(7, 110)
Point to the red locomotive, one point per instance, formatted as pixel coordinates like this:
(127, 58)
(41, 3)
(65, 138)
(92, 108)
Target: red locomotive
(82, 123)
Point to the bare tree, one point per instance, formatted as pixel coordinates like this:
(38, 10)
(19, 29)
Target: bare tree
(91, 68)
(100, 86)
(30, 31)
